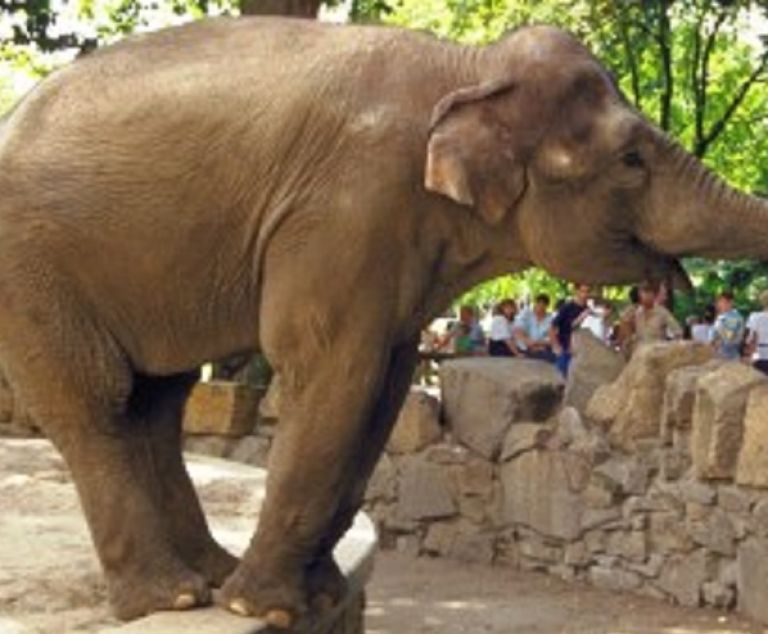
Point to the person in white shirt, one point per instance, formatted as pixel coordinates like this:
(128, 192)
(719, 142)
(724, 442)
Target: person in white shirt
(757, 335)
(702, 331)
(501, 339)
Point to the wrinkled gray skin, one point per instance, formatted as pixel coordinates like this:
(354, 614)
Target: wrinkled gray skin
(316, 193)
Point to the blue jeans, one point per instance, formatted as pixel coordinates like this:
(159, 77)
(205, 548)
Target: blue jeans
(563, 362)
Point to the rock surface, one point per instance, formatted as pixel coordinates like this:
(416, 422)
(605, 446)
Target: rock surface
(718, 419)
(630, 408)
(418, 424)
(482, 398)
(542, 492)
(753, 578)
(224, 408)
(425, 492)
(594, 364)
(679, 397)
(752, 467)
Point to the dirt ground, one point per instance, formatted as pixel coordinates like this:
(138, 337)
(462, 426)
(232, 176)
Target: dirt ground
(432, 595)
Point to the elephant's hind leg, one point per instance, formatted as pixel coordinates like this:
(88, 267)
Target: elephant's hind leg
(74, 382)
(157, 404)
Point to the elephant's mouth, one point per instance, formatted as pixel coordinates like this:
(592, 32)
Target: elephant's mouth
(671, 269)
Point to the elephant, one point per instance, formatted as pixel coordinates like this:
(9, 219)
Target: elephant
(315, 193)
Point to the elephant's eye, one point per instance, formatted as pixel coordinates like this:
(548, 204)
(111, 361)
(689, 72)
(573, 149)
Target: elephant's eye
(633, 159)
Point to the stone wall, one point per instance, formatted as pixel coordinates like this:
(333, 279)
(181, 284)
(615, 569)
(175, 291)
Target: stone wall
(650, 478)
(657, 487)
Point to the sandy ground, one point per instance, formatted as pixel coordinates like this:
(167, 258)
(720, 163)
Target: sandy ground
(431, 595)
(50, 581)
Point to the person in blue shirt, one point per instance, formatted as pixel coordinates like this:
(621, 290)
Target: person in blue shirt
(466, 334)
(570, 317)
(729, 330)
(532, 330)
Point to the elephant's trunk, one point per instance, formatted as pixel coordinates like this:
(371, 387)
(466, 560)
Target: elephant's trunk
(692, 212)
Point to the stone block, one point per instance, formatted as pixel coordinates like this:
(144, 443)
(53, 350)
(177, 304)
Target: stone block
(418, 424)
(718, 595)
(425, 491)
(214, 446)
(576, 554)
(594, 364)
(269, 406)
(752, 578)
(651, 568)
(718, 419)
(679, 397)
(666, 533)
(629, 545)
(626, 475)
(523, 437)
(615, 579)
(474, 509)
(563, 572)
(683, 576)
(599, 496)
(572, 433)
(474, 548)
(483, 397)
(734, 499)
(408, 545)
(630, 407)
(601, 518)
(383, 482)
(440, 538)
(252, 450)
(673, 464)
(445, 453)
(476, 478)
(595, 541)
(716, 532)
(752, 465)
(534, 547)
(691, 490)
(221, 408)
(539, 493)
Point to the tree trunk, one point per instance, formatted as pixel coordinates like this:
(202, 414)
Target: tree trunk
(294, 8)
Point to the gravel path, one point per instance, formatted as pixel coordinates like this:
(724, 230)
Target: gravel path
(414, 596)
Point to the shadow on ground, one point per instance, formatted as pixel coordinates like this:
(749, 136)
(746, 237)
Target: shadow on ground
(431, 595)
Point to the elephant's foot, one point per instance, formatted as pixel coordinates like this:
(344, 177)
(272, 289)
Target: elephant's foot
(276, 598)
(326, 585)
(149, 590)
(213, 562)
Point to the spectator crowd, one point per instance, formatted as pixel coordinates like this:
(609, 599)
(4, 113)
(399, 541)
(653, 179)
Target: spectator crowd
(537, 330)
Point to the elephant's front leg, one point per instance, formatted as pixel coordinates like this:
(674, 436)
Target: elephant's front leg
(326, 584)
(324, 415)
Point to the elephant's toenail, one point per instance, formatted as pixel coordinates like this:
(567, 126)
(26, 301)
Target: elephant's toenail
(281, 619)
(238, 606)
(184, 601)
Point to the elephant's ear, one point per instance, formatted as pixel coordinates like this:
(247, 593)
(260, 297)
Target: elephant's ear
(471, 155)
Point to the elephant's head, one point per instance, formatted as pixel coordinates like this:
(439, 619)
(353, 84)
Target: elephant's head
(546, 146)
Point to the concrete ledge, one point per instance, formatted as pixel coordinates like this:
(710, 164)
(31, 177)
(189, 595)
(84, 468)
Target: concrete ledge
(37, 491)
